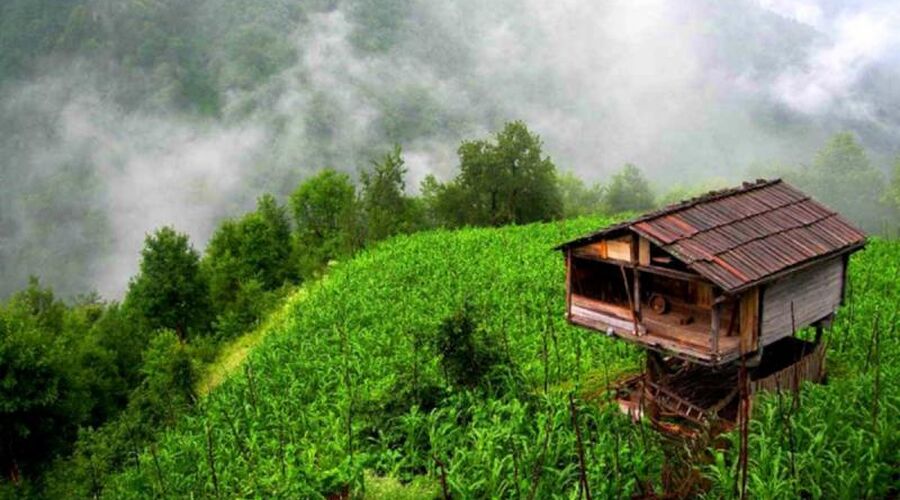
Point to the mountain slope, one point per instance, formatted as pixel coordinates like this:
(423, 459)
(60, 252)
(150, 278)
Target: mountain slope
(348, 387)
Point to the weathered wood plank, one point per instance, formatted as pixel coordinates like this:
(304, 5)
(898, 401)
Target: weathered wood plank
(673, 273)
(749, 327)
(619, 249)
(644, 251)
(815, 293)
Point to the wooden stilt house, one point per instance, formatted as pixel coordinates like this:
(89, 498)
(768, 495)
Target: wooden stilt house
(714, 278)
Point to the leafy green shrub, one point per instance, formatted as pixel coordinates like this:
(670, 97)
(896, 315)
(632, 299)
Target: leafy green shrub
(467, 355)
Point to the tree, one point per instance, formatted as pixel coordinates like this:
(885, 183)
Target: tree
(168, 378)
(325, 216)
(386, 208)
(245, 260)
(43, 399)
(169, 291)
(629, 191)
(577, 198)
(508, 181)
(265, 243)
(892, 195)
(842, 177)
(30, 388)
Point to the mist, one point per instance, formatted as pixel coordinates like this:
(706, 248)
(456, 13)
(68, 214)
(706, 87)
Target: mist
(96, 153)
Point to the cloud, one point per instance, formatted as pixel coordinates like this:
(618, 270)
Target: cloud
(856, 40)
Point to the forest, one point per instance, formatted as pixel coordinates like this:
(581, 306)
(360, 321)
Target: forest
(203, 244)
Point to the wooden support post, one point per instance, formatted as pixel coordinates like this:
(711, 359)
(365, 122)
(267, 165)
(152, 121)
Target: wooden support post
(714, 333)
(636, 278)
(628, 293)
(637, 294)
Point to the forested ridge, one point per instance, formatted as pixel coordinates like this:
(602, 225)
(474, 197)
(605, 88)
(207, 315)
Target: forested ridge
(276, 158)
(119, 117)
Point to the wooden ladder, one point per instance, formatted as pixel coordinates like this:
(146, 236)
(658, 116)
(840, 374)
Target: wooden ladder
(674, 403)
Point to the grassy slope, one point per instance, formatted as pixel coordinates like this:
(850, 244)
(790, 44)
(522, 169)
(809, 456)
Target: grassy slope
(347, 352)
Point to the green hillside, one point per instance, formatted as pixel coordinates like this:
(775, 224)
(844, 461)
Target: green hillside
(348, 391)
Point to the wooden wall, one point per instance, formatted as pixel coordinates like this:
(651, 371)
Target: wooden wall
(815, 293)
(616, 249)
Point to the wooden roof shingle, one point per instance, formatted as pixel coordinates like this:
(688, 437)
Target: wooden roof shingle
(743, 236)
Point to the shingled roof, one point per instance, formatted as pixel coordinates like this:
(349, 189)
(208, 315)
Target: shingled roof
(740, 237)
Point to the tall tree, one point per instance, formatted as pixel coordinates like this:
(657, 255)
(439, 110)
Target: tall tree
(265, 243)
(246, 258)
(386, 208)
(892, 195)
(629, 191)
(325, 215)
(508, 181)
(169, 291)
(42, 395)
(578, 198)
(842, 177)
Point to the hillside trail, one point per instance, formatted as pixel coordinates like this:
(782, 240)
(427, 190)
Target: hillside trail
(232, 355)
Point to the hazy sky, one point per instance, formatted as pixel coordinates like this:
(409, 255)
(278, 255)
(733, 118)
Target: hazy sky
(685, 89)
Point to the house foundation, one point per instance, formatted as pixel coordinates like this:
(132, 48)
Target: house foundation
(687, 399)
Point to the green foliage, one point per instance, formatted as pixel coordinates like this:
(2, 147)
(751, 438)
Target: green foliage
(168, 376)
(169, 291)
(508, 181)
(53, 378)
(892, 197)
(330, 381)
(32, 28)
(165, 392)
(629, 191)
(31, 387)
(255, 247)
(842, 177)
(446, 204)
(467, 355)
(579, 199)
(326, 219)
(335, 380)
(386, 208)
(246, 263)
(380, 23)
(257, 53)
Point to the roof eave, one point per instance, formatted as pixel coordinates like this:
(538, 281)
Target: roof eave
(788, 270)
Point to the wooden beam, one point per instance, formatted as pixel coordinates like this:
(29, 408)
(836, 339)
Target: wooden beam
(588, 256)
(673, 273)
(635, 258)
(621, 328)
(634, 318)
